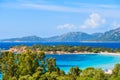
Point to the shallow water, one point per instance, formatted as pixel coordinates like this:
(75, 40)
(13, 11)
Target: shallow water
(0, 76)
(66, 61)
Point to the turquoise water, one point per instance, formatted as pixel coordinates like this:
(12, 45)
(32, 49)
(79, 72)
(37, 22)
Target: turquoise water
(0, 76)
(66, 61)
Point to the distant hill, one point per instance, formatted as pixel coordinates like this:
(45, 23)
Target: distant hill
(71, 37)
(112, 35)
(28, 38)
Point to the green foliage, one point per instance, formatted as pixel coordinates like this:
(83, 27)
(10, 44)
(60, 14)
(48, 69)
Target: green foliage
(116, 72)
(69, 49)
(33, 65)
(26, 77)
(92, 73)
(75, 71)
(117, 50)
(27, 66)
(51, 65)
(8, 64)
(115, 78)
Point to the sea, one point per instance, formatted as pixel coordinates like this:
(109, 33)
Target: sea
(103, 61)
(114, 45)
(66, 61)
(0, 76)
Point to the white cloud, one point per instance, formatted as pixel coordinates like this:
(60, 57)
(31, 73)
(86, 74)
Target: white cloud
(55, 8)
(113, 10)
(93, 5)
(94, 21)
(67, 26)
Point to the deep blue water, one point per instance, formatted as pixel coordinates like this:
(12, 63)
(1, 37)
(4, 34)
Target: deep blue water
(7, 45)
(66, 61)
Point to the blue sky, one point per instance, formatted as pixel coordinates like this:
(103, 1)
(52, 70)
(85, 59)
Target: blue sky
(47, 18)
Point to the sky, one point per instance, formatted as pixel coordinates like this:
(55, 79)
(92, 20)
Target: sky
(46, 18)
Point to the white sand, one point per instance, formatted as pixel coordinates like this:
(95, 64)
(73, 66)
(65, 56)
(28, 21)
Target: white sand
(107, 53)
(109, 71)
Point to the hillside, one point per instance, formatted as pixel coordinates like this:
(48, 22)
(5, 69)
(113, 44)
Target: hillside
(112, 35)
(27, 38)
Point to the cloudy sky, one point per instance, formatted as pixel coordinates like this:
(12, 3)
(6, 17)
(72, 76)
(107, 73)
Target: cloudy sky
(47, 18)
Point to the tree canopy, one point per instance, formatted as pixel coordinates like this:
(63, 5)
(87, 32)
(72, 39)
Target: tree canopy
(33, 65)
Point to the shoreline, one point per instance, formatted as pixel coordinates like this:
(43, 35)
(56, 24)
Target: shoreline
(106, 71)
(105, 53)
(23, 49)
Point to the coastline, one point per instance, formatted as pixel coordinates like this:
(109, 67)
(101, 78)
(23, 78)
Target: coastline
(105, 53)
(106, 71)
(23, 49)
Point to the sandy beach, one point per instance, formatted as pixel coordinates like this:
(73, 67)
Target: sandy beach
(106, 53)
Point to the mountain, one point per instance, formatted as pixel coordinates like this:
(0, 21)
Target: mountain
(70, 37)
(112, 35)
(28, 38)
(96, 36)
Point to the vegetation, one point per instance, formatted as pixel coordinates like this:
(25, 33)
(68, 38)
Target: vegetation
(69, 49)
(33, 65)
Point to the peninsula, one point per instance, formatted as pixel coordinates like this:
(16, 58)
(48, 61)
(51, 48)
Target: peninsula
(62, 49)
